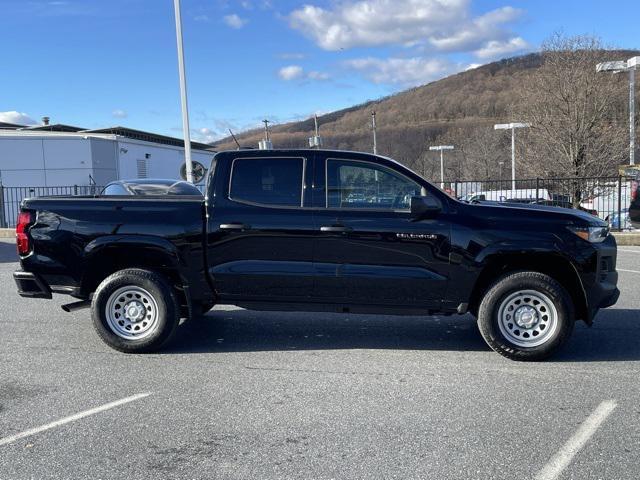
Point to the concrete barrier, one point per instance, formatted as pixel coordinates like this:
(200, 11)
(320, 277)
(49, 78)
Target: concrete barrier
(7, 233)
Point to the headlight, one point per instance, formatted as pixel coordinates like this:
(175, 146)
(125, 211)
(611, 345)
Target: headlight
(591, 234)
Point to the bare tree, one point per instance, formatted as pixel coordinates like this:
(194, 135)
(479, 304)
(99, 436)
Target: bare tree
(576, 126)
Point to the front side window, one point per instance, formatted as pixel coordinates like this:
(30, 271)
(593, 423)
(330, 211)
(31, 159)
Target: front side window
(352, 184)
(267, 181)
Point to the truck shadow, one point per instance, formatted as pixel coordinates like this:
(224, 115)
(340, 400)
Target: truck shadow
(244, 330)
(8, 252)
(614, 337)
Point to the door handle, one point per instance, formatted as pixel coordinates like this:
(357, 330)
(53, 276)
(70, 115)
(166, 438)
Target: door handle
(336, 229)
(234, 226)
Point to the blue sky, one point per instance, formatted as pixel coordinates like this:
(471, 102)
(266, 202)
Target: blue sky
(99, 63)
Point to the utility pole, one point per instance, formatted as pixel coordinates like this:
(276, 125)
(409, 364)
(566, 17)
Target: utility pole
(512, 127)
(183, 94)
(628, 66)
(373, 127)
(316, 141)
(266, 144)
(441, 148)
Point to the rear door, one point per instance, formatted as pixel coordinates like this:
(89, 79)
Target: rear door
(369, 250)
(260, 229)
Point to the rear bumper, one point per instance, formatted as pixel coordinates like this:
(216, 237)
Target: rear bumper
(31, 285)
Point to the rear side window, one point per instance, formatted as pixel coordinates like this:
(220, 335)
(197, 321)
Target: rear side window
(267, 181)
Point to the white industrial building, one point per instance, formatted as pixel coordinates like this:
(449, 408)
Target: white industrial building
(61, 155)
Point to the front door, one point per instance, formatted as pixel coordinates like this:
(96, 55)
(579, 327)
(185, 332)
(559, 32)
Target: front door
(369, 250)
(260, 233)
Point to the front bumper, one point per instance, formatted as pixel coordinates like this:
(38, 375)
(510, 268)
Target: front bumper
(603, 291)
(31, 285)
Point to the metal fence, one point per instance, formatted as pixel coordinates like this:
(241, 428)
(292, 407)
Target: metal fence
(10, 198)
(607, 197)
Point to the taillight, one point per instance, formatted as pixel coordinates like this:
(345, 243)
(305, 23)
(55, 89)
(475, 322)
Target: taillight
(25, 219)
(634, 190)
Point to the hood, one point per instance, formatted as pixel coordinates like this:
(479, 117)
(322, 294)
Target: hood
(521, 210)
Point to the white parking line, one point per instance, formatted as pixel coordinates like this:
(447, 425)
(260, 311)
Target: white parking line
(560, 460)
(628, 271)
(628, 251)
(72, 418)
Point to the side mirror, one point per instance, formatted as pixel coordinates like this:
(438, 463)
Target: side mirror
(425, 207)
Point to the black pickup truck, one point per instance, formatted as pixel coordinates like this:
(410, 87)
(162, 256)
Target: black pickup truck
(324, 231)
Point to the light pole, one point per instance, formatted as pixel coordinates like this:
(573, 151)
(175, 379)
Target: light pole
(628, 66)
(441, 149)
(183, 94)
(373, 127)
(512, 127)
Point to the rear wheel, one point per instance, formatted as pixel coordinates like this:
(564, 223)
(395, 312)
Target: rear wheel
(135, 311)
(526, 316)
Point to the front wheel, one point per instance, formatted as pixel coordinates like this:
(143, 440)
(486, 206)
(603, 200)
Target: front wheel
(135, 311)
(526, 316)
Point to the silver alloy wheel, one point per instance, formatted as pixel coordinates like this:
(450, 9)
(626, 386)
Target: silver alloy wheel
(131, 313)
(527, 318)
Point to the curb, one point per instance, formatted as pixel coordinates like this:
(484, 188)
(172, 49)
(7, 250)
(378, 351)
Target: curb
(627, 239)
(7, 233)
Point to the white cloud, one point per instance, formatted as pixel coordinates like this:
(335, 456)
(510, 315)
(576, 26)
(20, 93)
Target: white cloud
(118, 113)
(496, 48)
(291, 72)
(405, 72)
(201, 18)
(234, 21)
(205, 135)
(442, 25)
(291, 56)
(17, 118)
(296, 72)
(315, 75)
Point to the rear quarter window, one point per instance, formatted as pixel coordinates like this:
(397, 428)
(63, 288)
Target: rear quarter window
(267, 181)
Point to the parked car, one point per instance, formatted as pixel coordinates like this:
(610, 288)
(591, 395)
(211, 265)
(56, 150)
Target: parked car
(518, 195)
(150, 186)
(620, 221)
(634, 207)
(566, 204)
(278, 230)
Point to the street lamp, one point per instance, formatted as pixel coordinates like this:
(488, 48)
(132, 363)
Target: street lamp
(512, 127)
(628, 66)
(441, 148)
(183, 94)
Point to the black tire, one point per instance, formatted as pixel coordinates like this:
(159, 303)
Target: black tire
(165, 306)
(505, 290)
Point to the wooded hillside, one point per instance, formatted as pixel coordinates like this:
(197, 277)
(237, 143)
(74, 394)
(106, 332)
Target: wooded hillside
(458, 110)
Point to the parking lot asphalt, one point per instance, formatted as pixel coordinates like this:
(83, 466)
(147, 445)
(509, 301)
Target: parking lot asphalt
(243, 395)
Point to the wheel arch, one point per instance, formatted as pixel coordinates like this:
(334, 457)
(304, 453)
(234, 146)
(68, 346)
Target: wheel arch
(552, 264)
(109, 254)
